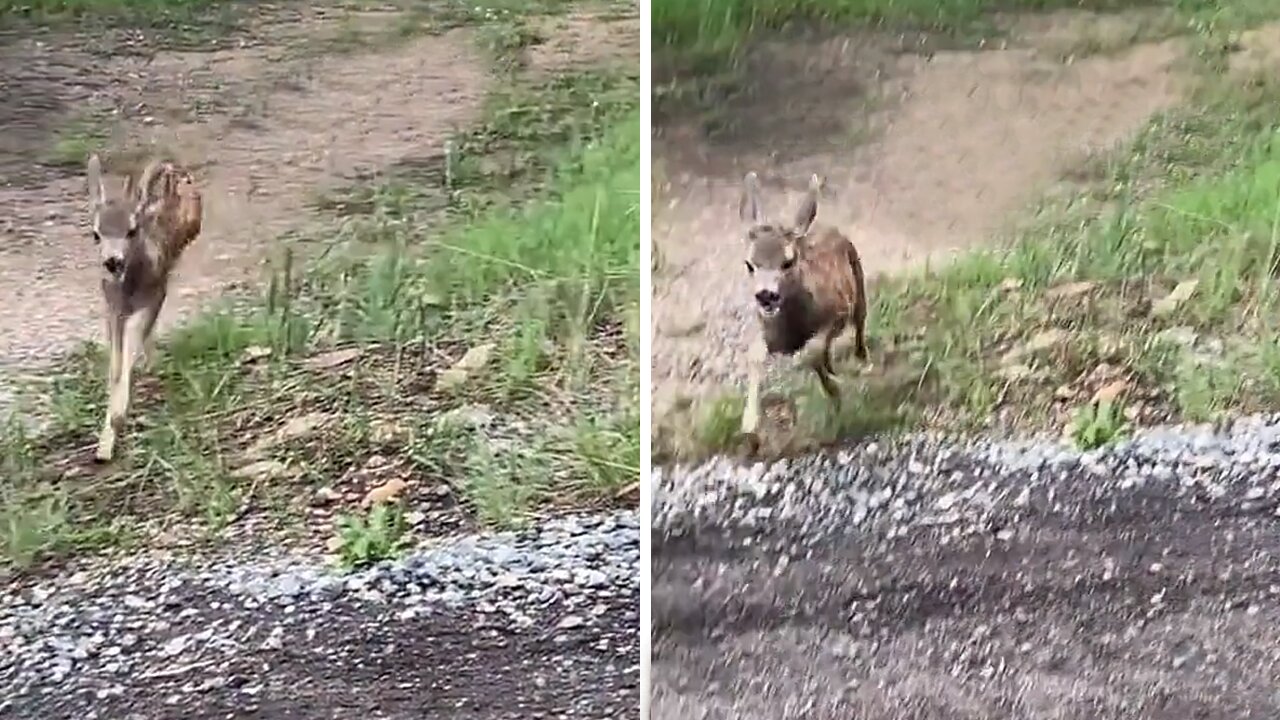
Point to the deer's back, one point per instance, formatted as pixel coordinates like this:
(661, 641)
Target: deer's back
(831, 271)
(181, 219)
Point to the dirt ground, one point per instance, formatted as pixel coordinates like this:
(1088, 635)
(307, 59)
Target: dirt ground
(923, 155)
(266, 131)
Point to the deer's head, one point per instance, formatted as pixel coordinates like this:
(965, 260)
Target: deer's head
(774, 252)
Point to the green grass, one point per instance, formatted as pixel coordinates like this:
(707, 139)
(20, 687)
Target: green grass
(367, 538)
(333, 377)
(722, 27)
(1097, 424)
(179, 22)
(74, 142)
(121, 9)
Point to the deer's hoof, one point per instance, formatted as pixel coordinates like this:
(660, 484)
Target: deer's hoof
(106, 447)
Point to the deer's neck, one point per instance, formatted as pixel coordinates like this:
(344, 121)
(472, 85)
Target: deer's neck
(787, 331)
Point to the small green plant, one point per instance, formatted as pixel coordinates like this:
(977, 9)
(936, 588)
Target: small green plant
(720, 422)
(377, 535)
(1098, 423)
(31, 524)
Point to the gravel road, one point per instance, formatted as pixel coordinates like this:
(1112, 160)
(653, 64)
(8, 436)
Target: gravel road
(537, 624)
(921, 579)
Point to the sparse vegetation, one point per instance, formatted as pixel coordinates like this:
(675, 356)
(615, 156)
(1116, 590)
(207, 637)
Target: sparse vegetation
(181, 23)
(74, 142)
(378, 534)
(1098, 423)
(520, 256)
(716, 29)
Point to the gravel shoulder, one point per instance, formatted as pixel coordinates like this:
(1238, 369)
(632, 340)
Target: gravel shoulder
(925, 579)
(537, 624)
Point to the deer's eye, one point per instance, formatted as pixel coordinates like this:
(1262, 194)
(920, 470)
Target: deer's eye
(132, 234)
(750, 268)
(788, 264)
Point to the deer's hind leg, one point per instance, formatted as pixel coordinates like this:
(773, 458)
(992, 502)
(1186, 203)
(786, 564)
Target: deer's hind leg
(822, 365)
(860, 331)
(150, 314)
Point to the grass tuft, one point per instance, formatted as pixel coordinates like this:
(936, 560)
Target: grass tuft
(1097, 424)
(379, 534)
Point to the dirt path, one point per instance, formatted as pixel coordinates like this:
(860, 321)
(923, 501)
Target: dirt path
(267, 127)
(923, 156)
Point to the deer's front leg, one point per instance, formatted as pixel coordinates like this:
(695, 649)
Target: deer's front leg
(114, 328)
(131, 336)
(756, 357)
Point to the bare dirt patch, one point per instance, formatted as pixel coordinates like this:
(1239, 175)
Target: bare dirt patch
(585, 38)
(923, 156)
(266, 127)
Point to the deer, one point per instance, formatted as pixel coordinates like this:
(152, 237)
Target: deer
(807, 287)
(141, 233)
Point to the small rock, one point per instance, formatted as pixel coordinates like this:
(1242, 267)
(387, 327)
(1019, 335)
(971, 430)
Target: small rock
(1171, 302)
(1111, 391)
(388, 491)
(175, 646)
(1071, 290)
(325, 495)
(474, 359)
(334, 358)
(263, 470)
(295, 428)
(253, 353)
(570, 622)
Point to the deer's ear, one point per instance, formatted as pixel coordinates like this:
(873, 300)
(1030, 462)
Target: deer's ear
(808, 210)
(93, 173)
(152, 186)
(749, 208)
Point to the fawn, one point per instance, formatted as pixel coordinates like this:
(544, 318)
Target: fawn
(141, 233)
(807, 283)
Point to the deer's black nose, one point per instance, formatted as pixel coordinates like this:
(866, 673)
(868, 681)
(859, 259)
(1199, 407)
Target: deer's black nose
(113, 265)
(768, 298)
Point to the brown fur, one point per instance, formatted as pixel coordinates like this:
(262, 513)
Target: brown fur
(141, 234)
(808, 284)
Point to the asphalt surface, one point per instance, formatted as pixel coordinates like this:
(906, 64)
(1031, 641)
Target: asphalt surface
(928, 581)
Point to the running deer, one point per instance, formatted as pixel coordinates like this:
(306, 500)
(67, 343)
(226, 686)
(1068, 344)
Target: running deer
(141, 232)
(807, 284)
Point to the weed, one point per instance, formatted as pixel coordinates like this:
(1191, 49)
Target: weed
(1097, 424)
(366, 539)
(720, 423)
(75, 141)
